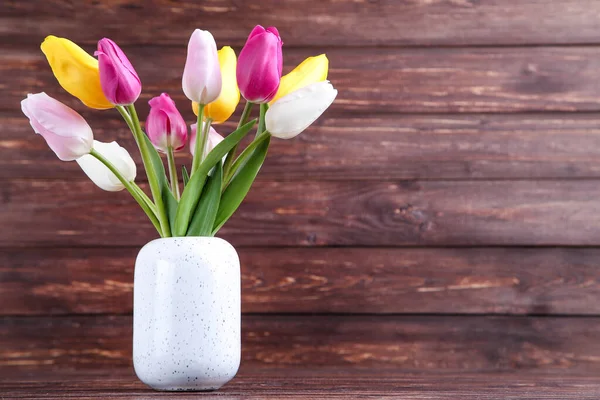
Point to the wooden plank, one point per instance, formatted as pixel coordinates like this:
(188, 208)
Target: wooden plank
(324, 280)
(308, 23)
(323, 213)
(307, 383)
(447, 80)
(369, 147)
(415, 343)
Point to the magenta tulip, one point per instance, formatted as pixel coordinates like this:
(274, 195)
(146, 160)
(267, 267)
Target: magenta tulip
(120, 83)
(65, 131)
(165, 126)
(213, 139)
(260, 64)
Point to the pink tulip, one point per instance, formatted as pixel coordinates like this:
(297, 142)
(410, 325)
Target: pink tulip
(165, 126)
(260, 64)
(213, 140)
(120, 83)
(65, 131)
(202, 73)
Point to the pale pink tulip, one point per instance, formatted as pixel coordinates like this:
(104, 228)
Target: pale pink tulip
(202, 73)
(213, 139)
(65, 131)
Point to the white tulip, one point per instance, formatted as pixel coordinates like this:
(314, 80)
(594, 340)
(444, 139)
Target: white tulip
(100, 174)
(293, 113)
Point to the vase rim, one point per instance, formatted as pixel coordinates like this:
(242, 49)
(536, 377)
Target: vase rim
(189, 239)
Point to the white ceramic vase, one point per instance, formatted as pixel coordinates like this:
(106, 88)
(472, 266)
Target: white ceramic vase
(186, 313)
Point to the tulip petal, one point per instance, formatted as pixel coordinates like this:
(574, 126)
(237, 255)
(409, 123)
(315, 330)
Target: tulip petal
(165, 126)
(311, 70)
(201, 75)
(292, 114)
(257, 30)
(76, 71)
(260, 64)
(212, 141)
(120, 83)
(100, 174)
(221, 109)
(65, 131)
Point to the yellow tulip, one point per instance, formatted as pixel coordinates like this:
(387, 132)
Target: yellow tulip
(76, 71)
(221, 109)
(311, 70)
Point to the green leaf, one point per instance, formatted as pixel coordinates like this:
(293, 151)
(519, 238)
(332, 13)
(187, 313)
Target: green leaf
(157, 163)
(240, 185)
(185, 175)
(243, 158)
(206, 212)
(170, 204)
(193, 190)
(168, 200)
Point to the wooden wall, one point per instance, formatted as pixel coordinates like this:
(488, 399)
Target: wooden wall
(444, 214)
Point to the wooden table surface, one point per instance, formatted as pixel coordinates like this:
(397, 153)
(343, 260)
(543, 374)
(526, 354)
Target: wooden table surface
(305, 383)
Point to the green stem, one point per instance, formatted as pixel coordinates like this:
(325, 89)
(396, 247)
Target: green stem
(131, 187)
(205, 130)
(261, 119)
(145, 197)
(245, 113)
(231, 154)
(173, 172)
(126, 117)
(199, 129)
(243, 156)
(152, 178)
(125, 114)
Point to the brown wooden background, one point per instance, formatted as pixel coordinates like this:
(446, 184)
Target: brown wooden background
(443, 215)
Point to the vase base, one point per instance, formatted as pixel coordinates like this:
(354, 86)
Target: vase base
(163, 386)
(184, 389)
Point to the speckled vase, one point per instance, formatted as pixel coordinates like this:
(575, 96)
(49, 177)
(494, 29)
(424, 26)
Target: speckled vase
(186, 314)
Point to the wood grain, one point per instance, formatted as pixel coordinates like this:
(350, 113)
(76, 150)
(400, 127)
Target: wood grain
(415, 343)
(308, 23)
(376, 147)
(324, 280)
(455, 177)
(381, 80)
(307, 383)
(303, 383)
(324, 213)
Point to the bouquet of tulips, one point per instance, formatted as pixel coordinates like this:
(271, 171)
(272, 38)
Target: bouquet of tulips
(219, 178)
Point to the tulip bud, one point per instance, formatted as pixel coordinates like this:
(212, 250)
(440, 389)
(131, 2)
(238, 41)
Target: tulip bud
(165, 126)
(292, 114)
(120, 83)
(201, 76)
(76, 71)
(65, 131)
(100, 174)
(213, 140)
(311, 70)
(221, 109)
(260, 64)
